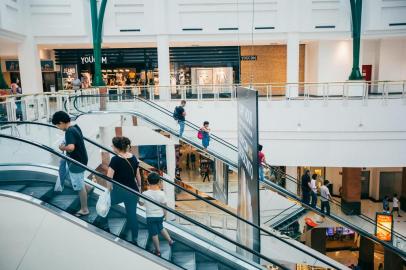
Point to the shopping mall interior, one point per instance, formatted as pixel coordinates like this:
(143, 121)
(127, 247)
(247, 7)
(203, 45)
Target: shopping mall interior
(203, 135)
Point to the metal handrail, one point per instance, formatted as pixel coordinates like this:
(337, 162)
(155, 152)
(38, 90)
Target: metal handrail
(174, 212)
(259, 228)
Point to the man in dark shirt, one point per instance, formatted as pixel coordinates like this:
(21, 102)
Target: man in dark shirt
(180, 116)
(306, 187)
(75, 149)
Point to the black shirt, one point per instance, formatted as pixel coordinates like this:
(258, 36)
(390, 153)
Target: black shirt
(180, 110)
(305, 182)
(73, 135)
(123, 172)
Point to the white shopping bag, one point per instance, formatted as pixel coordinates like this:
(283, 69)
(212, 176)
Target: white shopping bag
(58, 187)
(103, 204)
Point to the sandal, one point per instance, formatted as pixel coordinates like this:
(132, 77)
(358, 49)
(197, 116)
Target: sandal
(157, 253)
(79, 214)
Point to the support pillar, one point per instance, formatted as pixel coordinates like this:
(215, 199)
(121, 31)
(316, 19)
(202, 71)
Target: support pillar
(170, 167)
(291, 185)
(30, 66)
(366, 253)
(393, 261)
(351, 191)
(403, 193)
(163, 67)
(292, 69)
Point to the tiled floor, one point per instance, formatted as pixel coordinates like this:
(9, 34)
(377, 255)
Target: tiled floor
(351, 257)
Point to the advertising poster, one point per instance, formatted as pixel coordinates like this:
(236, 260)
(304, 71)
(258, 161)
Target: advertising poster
(13, 66)
(384, 226)
(69, 73)
(220, 183)
(248, 187)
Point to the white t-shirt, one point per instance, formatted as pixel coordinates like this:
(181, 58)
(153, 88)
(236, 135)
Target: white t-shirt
(324, 193)
(151, 209)
(395, 202)
(313, 185)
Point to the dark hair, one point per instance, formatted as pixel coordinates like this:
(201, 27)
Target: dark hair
(395, 195)
(260, 147)
(326, 182)
(314, 176)
(60, 117)
(205, 123)
(307, 171)
(183, 101)
(121, 143)
(153, 178)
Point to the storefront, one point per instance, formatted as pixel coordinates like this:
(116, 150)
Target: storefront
(49, 76)
(120, 67)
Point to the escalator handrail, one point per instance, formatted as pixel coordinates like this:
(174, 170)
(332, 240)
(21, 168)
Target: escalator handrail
(259, 228)
(174, 212)
(153, 122)
(311, 208)
(165, 111)
(337, 203)
(335, 218)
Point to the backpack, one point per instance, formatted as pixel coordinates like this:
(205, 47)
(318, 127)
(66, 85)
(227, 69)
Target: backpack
(176, 114)
(200, 134)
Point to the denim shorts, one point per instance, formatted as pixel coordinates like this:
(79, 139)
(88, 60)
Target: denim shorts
(77, 180)
(155, 225)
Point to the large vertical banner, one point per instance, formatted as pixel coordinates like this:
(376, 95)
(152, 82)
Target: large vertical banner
(220, 183)
(248, 187)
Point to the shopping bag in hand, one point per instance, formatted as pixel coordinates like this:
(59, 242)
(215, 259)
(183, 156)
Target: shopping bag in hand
(103, 204)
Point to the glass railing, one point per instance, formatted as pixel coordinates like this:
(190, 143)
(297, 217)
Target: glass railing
(228, 153)
(213, 215)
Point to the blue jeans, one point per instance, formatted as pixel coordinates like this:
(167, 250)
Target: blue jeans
(261, 173)
(314, 198)
(181, 127)
(306, 196)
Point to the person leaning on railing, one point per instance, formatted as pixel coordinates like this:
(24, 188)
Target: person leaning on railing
(325, 197)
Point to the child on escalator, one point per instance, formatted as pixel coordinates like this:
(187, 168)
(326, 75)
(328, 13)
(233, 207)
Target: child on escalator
(155, 213)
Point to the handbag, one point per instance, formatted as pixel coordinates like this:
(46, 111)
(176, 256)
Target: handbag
(103, 204)
(200, 135)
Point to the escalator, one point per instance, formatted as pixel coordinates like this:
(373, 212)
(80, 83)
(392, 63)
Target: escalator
(197, 245)
(161, 118)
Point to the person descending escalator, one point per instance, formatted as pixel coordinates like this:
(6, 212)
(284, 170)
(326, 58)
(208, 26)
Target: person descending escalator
(75, 148)
(313, 190)
(179, 115)
(205, 134)
(261, 163)
(124, 168)
(305, 184)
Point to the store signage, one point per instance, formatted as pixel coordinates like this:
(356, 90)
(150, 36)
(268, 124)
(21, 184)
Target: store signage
(384, 226)
(248, 187)
(69, 71)
(13, 66)
(47, 65)
(248, 58)
(90, 59)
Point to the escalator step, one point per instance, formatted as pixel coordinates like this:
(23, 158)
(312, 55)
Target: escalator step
(15, 188)
(92, 215)
(166, 251)
(63, 201)
(116, 225)
(186, 260)
(37, 191)
(207, 266)
(142, 238)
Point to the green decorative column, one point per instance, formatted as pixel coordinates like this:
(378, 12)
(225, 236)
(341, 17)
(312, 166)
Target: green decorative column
(97, 26)
(356, 12)
(3, 84)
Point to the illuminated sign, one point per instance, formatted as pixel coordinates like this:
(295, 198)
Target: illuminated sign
(384, 226)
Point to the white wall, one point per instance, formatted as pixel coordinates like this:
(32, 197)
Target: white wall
(392, 64)
(333, 134)
(334, 60)
(33, 238)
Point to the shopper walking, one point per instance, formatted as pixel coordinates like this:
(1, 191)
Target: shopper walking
(325, 197)
(395, 205)
(385, 204)
(305, 184)
(155, 214)
(206, 173)
(124, 169)
(179, 115)
(205, 130)
(313, 190)
(261, 163)
(75, 149)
